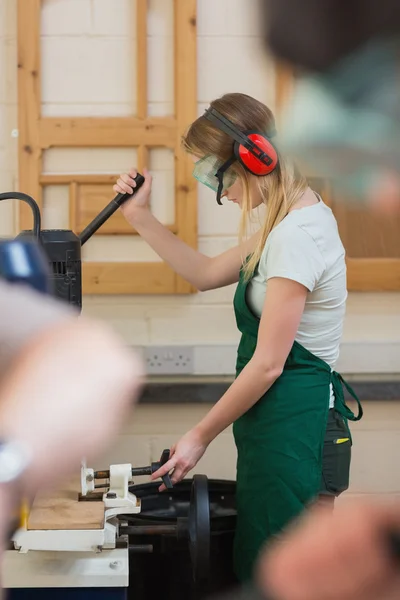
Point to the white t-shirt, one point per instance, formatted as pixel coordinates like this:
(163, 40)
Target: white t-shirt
(306, 248)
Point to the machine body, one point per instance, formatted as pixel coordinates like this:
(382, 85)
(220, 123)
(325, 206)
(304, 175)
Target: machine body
(61, 247)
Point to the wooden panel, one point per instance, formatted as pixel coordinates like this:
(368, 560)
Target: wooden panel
(127, 278)
(89, 201)
(367, 233)
(60, 509)
(186, 112)
(66, 179)
(29, 155)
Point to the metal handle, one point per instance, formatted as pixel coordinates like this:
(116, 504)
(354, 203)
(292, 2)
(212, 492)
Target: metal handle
(155, 466)
(108, 211)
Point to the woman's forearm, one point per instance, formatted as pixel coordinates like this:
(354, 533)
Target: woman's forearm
(187, 262)
(253, 382)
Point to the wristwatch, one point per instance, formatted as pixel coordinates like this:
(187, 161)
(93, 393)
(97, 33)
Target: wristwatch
(15, 458)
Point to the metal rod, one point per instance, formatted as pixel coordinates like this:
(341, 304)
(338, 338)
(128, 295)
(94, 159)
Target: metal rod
(136, 472)
(148, 530)
(102, 474)
(141, 549)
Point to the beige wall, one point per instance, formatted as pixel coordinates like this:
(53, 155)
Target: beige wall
(88, 67)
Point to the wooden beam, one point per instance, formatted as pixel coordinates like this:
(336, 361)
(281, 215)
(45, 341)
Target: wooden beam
(373, 274)
(141, 60)
(107, 132)
(29, 105)
(185, 50)
(107, 278)
(66, 179)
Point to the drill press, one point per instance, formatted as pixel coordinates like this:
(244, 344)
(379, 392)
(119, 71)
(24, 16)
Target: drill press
(62, 248)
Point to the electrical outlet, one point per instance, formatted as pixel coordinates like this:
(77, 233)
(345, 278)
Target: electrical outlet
(169, 360)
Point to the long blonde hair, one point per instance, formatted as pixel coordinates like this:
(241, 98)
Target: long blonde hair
(279, 191)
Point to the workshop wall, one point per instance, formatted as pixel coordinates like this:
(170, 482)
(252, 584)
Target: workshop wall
(88, 62)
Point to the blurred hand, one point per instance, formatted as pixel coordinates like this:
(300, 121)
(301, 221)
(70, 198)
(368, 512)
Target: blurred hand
(66, 395)
(342, 555)
(141, 200)
(183, 458)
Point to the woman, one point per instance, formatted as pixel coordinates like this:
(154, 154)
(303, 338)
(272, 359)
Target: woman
(289, 306)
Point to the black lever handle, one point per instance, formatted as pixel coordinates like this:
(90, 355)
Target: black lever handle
(108, 211)
(155, 466)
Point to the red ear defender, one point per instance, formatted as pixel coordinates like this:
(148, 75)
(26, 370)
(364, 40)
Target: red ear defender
(261, 159)
(252, 149)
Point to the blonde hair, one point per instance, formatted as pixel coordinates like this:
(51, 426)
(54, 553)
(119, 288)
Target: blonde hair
(279, 190)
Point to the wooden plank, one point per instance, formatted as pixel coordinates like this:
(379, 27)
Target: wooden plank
(29, 105)
(373, 274)
(141, 62)
(66, 179)
(105, 278)
(60, 509)
(185, 50)
(108, 132)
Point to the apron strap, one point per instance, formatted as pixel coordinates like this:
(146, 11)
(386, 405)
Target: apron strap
(340, 404)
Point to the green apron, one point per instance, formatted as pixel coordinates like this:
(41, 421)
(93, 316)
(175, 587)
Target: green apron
(279, 441)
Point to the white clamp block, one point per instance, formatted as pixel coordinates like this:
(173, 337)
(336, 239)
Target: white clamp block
(118, 499)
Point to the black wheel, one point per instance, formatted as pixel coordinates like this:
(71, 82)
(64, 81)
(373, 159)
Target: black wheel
(200, 529)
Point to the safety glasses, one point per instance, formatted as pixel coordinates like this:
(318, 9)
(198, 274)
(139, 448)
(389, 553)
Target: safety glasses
(215, 174)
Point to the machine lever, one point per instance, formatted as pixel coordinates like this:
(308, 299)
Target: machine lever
(139, 471)
(155, 466)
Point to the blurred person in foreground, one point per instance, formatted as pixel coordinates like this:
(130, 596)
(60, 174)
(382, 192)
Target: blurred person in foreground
(350, 554)
(345, 54)
(65, 386)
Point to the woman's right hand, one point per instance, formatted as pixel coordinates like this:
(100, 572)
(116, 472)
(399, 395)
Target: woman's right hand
(141, 200)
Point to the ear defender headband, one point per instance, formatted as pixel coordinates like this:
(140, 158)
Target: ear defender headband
(252, 149)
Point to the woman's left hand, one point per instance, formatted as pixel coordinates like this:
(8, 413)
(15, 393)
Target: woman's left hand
(183, 458)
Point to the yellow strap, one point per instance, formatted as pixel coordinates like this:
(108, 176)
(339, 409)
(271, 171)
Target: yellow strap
(342, 440)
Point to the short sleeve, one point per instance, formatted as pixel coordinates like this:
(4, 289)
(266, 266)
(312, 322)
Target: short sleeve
(292, 253)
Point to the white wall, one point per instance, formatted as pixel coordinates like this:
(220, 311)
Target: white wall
(88, 69)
